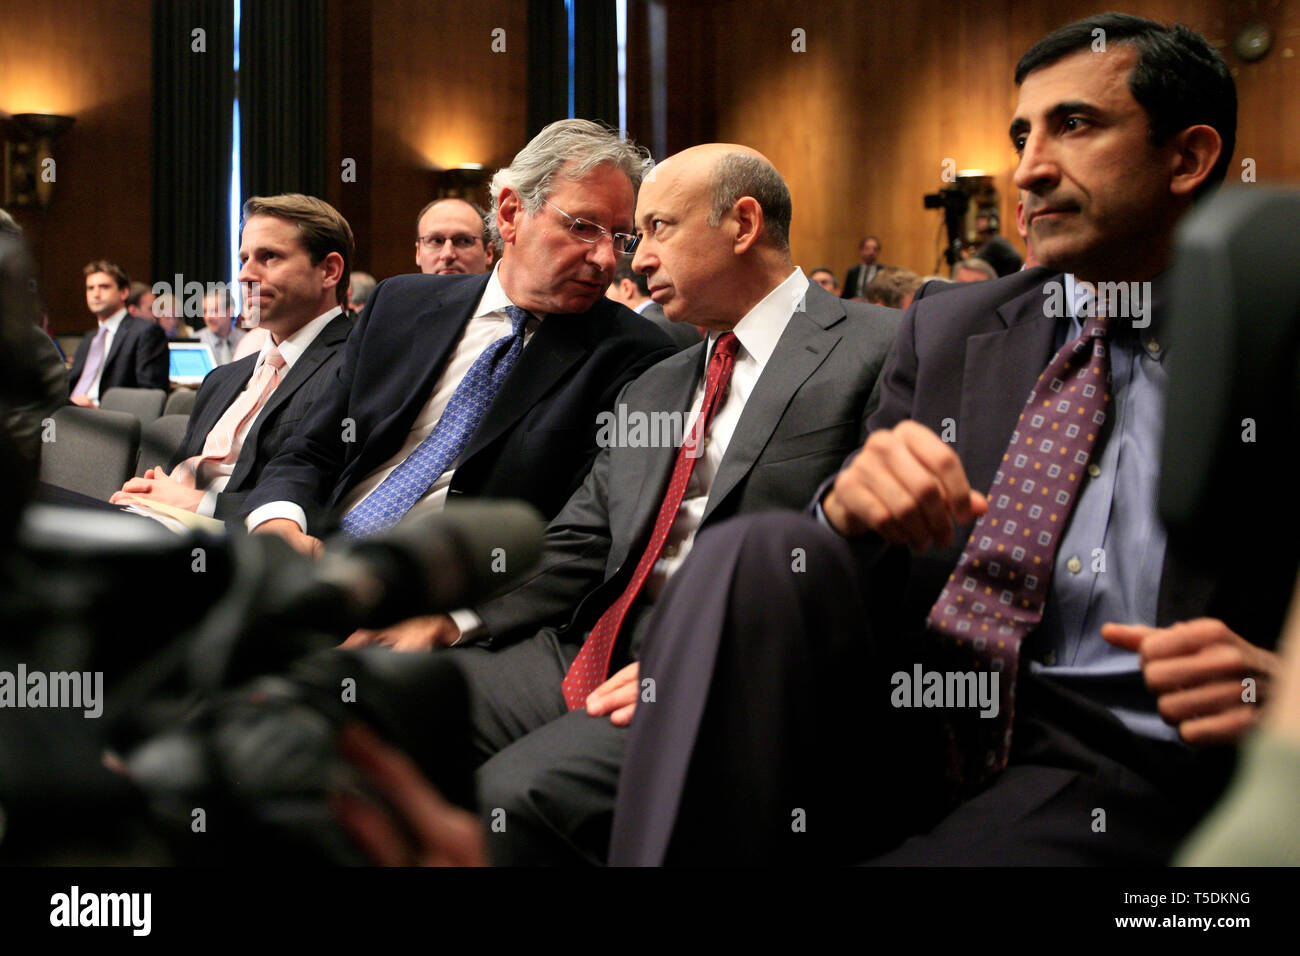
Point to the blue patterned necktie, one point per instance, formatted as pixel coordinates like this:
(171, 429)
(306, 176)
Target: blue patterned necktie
(407, 483)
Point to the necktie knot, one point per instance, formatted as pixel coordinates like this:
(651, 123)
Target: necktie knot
(275, 359)
(518, 317)
(727, 346)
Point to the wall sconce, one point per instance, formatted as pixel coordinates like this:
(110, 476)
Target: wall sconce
(29, 170)
(460, 182)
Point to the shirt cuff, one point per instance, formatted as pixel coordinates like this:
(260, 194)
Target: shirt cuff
(277, 509)
(208, 506)
(470, 624)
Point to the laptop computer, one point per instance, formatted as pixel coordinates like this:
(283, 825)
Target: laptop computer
(189, 362)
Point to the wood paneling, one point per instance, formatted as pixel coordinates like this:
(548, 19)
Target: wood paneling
(861, 122)
(92, 61)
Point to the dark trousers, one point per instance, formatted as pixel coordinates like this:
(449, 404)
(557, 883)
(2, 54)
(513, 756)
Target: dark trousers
(773, 739)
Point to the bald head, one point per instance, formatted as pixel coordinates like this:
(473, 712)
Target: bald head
(714, 222)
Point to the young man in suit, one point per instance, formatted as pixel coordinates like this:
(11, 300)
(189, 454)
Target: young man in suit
(630, 288)
(123, 351)
(296, 252)
(860, 275)
(1115, 669)
(484, 385)
(765, 409)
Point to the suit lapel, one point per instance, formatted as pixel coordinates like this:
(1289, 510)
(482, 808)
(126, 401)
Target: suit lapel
(303, 369)
(1001, 369)
(807, 340)
(125, 329)
(227, 390)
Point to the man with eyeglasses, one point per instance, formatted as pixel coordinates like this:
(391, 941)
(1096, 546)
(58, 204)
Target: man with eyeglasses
(480, 385)
(452, 237)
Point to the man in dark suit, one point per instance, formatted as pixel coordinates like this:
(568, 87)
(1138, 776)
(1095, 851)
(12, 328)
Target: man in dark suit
(538, 350)
(784, 382)
(630, 288)
(296, 252)
(860, 275)
(799, 716)
(123, 351)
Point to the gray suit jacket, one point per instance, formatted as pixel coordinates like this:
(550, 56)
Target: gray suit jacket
(683, 335)
(807, 412)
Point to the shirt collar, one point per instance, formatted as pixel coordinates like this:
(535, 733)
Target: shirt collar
(643, 306)
(291, 348)
(1155, 299)
(113, 321)
(761, 327)
(494, 298)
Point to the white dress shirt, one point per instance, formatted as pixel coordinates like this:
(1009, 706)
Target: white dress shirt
(488, 324)
(217, 474)
(111, 324)
(758, 333)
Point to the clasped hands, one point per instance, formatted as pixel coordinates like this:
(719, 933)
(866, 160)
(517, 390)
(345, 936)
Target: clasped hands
(909, 487)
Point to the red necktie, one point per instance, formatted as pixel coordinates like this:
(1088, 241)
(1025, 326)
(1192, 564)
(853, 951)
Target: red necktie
(995, 596)
(589, 668)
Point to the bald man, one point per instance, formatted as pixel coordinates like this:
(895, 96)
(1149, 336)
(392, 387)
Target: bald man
(794, 374)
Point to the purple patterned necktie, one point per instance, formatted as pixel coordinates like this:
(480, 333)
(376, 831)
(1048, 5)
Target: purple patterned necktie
(995, 596)
(94, 358)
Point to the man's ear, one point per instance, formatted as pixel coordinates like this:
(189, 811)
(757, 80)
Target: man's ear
(509, 211)
(333, 266)
(748, 216)
(1195, 151)
(491, 252)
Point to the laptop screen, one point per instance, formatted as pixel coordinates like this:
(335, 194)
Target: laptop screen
(190, 362)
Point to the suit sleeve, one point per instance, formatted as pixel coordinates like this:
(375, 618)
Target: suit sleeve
(308, 465)
(151, 358)
(572, 565)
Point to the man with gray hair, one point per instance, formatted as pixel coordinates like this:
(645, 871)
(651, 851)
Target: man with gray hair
(480, 385)
(760, 412)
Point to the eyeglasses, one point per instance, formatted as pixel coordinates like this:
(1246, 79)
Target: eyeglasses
(435, 242)
(624, 245)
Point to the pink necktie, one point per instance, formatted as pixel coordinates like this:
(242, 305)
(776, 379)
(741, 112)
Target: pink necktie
(94, 358)
(220, 444)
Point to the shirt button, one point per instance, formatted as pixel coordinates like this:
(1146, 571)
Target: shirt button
(1094, 470)
(708, 440)
(670, 551)
(1074, 564)
(1153, 347)
(1050, 658)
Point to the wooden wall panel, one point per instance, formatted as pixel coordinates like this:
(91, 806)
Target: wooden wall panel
(92, 61)
(861, 122)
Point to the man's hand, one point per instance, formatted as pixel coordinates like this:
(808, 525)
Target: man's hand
(617, 696)
(413, 634)
(908, 486)
(157, 485)
(432, 832)
(85, 401)
(288, 529)
(1196, 669)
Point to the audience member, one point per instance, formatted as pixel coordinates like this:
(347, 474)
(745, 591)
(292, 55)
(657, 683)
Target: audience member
(893, 287)
(973, 269)
(359, 289)
(166, 315)
(630, 289)
(139, 301)
(785, 358)
(860, 275)
(297, 250)
(993, 248)
(221, 331)
(123, 351)
(499, 395)
(826, 279)
(452, 237)
(1120, 679)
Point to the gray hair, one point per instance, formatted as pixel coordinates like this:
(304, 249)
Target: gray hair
(8, 226)
(975, 264)
(740, 174)
(581, 142)
(361, 284)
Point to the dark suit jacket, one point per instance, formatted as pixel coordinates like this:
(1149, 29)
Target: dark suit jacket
(851, 280)
(682, 334)
(137, 358)
(535, 443)
(808, 409)
(309, 378)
